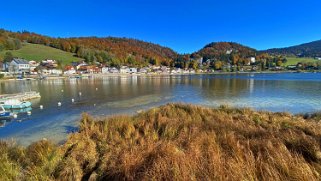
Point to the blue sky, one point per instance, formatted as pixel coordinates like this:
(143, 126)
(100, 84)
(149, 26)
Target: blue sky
(186, 26)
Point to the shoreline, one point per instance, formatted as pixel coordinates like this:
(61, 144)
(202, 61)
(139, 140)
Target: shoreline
(54, 77)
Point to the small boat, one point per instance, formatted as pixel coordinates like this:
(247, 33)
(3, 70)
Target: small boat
(15, 104)
(3, 113)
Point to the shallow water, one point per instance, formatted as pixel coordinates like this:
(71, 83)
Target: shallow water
(291, 92)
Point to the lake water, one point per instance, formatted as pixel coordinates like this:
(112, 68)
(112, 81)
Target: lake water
(291, 92)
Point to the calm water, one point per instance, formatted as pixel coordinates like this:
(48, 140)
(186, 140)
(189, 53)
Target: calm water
(294, 93)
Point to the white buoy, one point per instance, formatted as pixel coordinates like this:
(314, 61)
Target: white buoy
(29, 113)
(73, 100)
(96, 89)
(94, 105)
(80, 93)
(59, 104)
(41, 106)
(15, 116)
(62, 90)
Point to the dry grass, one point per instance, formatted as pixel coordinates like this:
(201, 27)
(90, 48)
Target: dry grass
(176, 142)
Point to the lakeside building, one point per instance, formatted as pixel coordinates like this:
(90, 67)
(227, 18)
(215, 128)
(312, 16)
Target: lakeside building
(69, 70)
(105, 70)
(33, 66)
(4, 66)
(144, 70)
(52, 71)
(19, 66)
(113, 70)
(124, 70)
(252, 60)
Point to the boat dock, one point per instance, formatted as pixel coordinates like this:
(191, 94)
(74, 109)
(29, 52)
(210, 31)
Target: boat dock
(21, 96)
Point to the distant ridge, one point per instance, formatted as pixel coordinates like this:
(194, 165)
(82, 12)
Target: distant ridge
(312, 49)
(217, 50)
(115, 51)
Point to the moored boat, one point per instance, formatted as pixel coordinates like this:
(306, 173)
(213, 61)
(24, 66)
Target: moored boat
(3, 113)
(15, 104)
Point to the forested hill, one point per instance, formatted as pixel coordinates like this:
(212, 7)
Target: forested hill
(8, 41)
(114, 51)
(223, 50)
(312, 49)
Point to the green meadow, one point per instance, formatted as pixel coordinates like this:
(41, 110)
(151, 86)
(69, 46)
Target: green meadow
(40, 52)
(295, 60)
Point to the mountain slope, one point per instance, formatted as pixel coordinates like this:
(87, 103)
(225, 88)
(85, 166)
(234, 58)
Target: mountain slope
(312, 49)
(41, 52)
(106, 50)
(220, 50)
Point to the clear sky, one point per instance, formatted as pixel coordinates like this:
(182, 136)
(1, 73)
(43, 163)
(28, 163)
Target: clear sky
(183, 25)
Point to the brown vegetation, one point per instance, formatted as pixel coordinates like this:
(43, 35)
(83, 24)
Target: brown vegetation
(176, 142)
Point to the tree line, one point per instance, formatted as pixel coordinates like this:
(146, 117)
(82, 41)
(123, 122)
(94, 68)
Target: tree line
(124, 51)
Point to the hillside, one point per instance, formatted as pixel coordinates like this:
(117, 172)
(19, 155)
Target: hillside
(176, 142)
(110, 50)
(312, 49)
(41, 52)
(292, 60)
(221, 50)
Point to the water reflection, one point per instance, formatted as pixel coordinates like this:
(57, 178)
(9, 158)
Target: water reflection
(121, 94)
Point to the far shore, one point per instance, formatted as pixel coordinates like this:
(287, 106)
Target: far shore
(54, 77)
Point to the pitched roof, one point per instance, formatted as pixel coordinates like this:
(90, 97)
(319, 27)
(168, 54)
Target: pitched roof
(20, 61)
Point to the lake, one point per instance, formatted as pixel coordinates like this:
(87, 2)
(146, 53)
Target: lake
(291, 92)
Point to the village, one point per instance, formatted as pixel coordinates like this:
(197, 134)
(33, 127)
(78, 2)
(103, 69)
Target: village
(51, 68)
(20, 68)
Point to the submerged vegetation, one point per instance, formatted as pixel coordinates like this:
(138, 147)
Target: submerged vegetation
(176, 142)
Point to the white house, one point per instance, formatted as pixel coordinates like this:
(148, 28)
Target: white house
(70, 72)
(105, 70)
(81, 65)
(19, 66)
(155, 68)
(144, 70)
(113, 70)
(124, 70)
(252, 59)
(33, 65)
(132, 70)
(52, 71)
(165, 69)
(228, 52)
(177, 71)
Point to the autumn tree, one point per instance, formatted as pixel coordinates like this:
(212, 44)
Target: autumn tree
(235, 59)
(218, 65)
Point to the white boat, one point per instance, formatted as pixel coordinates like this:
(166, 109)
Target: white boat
(3, 113)
(15, 104)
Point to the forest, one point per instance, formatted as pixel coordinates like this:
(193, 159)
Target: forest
(116, 52)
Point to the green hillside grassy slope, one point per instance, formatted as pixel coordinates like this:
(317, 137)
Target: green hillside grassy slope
(40, 52)
(295, 60)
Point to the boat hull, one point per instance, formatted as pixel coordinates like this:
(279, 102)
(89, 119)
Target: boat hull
(4, 115)
(23, 105)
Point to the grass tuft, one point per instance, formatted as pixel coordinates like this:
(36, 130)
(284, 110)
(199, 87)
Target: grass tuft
(176, 142)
